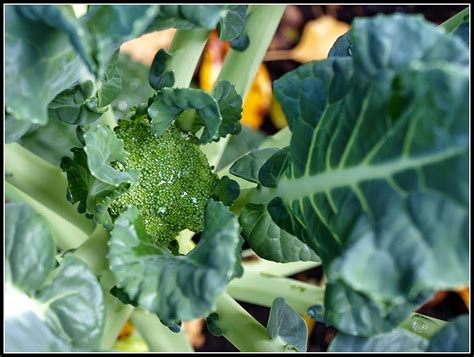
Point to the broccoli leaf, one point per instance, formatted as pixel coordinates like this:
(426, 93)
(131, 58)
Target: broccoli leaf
(248, 166)
(286, 324)
(270, 241)
(218, 113)
(398, 340)
(103, 148)
(47, 307)
(226, 190)
(454, 337)
(39, 63)
(232, 23)
(175, 287)
(377, 172)
(159, 77)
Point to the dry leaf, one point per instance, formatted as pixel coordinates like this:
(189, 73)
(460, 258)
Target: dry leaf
(317, 39)
(144, 48)
(464, 293)
(193, 331)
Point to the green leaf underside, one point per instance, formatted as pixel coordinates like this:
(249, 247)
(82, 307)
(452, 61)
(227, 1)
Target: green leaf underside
(270, 241)
(454, 337)
(288, 325)
(249, 165)
(47, 307)
(232, 24)
(218, 113)
(175, 287)
(378, 168)
(159, 77)
(39, 64)
(398, 340)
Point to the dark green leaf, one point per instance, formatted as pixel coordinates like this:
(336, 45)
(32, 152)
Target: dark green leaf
(29, 247)
(454, 337)
(268, 240)
(175, 287)
(159, 77)
(462, 31)
(230, 108)
(398, 340)
(378, 169)
(248, 166)
(274, 167)
(169, 103)
(187, 17)
(226, 191)
(240, 43)
(288, 325)
(342, 46)
(213, 325)
(232, 23)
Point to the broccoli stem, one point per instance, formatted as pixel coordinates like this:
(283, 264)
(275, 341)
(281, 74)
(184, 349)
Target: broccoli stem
(158, 337)
(237, 325)
(451, 24)
(47, 186)
(240, 67)
(187, 46)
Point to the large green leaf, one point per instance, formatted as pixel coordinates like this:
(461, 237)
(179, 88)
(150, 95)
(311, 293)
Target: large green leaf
(454, 337)
(286, 324)
(47, 310)
(398, 340)
(175, 287)
(39, 63)
(377, 180)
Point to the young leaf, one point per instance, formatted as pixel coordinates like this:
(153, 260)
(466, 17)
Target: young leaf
(226, 191)
(398, 340)
(248, 166)
(270, 241)
(286, 324)
(50, 305)
(175, 287)
(159, 77)
(454, 337)
(230, 107)
(375, 187)
(103, 148)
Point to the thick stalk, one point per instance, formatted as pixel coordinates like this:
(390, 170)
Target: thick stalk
(451, 24)
(262, 289)
(242, 330)
(277, 269)
(187, 46)
(43, 182)
(158, 337)
(67, 235)
(94, 250)
(240, 67)
(116, 313)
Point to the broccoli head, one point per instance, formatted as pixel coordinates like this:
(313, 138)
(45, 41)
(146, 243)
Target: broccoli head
(175, 178)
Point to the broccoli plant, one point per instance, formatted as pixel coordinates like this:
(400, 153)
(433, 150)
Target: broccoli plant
(113, 219)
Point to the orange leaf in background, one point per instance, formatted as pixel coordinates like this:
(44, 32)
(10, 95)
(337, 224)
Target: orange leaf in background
(257, 101)
(193, 331)
(464, 293)
(126, 331)
(144, 48)
(317, 39)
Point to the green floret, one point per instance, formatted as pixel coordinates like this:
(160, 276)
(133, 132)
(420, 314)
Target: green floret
(175, 179)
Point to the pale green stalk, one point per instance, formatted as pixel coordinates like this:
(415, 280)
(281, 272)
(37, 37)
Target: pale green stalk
(240, 68)
(242, 330)
(451, 24)
(158, 337)
(277, 269)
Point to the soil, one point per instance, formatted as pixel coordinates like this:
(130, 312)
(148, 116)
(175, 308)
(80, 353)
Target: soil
(446, 305)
